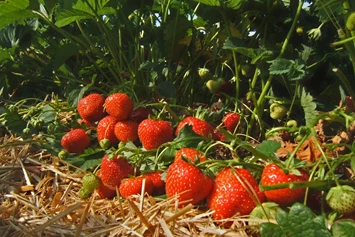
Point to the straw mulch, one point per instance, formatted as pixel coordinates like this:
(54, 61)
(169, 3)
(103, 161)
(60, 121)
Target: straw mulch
(39, 197)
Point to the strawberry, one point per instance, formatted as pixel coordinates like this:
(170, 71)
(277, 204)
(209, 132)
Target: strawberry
(119, 105)
(134, 185)
(158, 182)
(231, 120)
(189, 153)
(350, 21)
(188, 182)
(140, 113)
(75, 141)
(91, 107)
(235, 191)
(277, 111)
(214, 85)
(126, 130)
(204, 73)
(103, 190)
(90, 182)
(272, 174)
(152, 133)
(114, 170)
(199, 126)
(341, 199)
(106, 130)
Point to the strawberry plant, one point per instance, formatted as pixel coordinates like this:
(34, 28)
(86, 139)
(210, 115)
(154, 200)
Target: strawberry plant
(237, 110)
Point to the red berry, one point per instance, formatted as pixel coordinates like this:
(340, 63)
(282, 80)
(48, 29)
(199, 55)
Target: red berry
(91, 107)
(158, 182)
(199, 126)
(114, 170)
(105, 191)
(126, 130)
(230, 121)
(153, 133)
(106, 130)
(188, 182)
(133, 185)
(272, 175)
(140, 113)
(119, 105)
(235, 191)
(189, 153)
(75, 141)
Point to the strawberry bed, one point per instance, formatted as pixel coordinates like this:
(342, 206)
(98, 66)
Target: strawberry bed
(177, 118)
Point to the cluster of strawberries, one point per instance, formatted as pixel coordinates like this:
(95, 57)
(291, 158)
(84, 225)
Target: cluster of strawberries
(231, 191)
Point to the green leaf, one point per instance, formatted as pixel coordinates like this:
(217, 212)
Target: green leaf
(175, 29)
(88, 160)
(63, 53)
(48, 114)
(14, 122)
(326, 10)
(299, 222)
(213, 3)
(343, 228)
(268, 147)
(166, 89)
(271, 230)
(281, 66)
(14, 10)
(76, 95)
(309, 106)
(69, 11)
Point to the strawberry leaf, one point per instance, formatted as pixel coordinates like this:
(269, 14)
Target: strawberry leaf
(300, 221)
(88, 160)
(309, 106)
(280, 66)
(344, 228)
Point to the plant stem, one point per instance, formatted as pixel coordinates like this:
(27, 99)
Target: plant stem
(259, 108)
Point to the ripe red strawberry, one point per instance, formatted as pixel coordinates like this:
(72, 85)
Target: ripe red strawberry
(158, 182)
(152, 133)
(119, 105)
(235, 191)
(114, 170)
(103, 190)
(126, 130)
(140, 113)
(106, 129)
(188, 182)
(133, 185)
(189, 153)
(75, 141)
(91, 107)
(230, 121)
(199, 126)
(272, 174)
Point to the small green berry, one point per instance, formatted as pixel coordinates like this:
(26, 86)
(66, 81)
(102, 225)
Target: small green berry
(214, 85)
(277, 111)
(90, 182)
(341, 199)
(350, 22)
(204, 73)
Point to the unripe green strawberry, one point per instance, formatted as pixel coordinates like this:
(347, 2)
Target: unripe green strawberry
(84, 193)
(90, 182)
(63, 154)
(277, 111)
(341, 199)
(350, 22)
(204, 73)
(214, 85)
